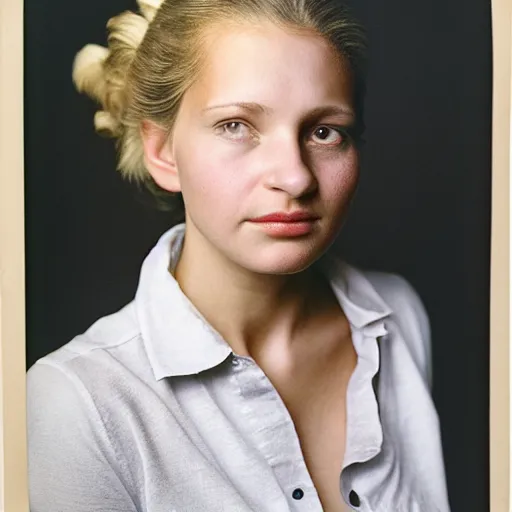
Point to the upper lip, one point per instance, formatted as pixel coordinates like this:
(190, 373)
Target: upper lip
(286, 217)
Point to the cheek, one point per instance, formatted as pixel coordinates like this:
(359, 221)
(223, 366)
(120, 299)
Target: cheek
(338, 180)
(209, 175)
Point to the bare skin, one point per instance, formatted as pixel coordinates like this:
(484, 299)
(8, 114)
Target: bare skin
(314, 391)
(309, 362)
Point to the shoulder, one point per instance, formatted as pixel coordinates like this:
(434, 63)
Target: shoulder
(105, 334)
(68, 423)
(401, 296)
(72, 381)
(409, 314)
(85, 366)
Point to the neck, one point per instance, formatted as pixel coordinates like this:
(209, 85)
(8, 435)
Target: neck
(252, 312)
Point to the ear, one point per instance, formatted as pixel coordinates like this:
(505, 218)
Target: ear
(158, 156)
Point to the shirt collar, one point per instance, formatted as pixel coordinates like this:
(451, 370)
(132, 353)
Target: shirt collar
(359, 300)
(180, 341)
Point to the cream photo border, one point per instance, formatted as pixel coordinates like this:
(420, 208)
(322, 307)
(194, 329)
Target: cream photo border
(13, 450)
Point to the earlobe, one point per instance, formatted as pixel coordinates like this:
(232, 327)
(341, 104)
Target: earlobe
(158, 156)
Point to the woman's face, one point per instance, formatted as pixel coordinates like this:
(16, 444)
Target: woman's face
(264, 130)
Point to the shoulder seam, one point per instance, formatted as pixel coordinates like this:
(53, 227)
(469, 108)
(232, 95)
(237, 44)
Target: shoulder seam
(47, 359)
(83, 391)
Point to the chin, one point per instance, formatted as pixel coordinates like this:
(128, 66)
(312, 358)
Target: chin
(280, 263)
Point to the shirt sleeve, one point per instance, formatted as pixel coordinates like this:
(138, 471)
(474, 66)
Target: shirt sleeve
(72, 466)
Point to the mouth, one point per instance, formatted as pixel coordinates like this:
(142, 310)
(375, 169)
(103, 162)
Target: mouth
(299, 216)
(286, 224)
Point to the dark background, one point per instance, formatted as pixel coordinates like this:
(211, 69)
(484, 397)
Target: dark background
(422, 210)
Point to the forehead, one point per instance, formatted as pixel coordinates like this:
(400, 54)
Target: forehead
(266, 63)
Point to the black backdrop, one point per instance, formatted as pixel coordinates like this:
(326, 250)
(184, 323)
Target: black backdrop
(422, 209)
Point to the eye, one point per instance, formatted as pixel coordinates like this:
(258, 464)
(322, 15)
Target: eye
(329, 136)
(234, 130)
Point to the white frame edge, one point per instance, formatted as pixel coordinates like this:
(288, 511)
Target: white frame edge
(13, 463)
(500, 393)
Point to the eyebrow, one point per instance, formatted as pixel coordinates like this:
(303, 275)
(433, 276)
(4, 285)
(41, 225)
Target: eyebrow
(258, 108)
(253, 107)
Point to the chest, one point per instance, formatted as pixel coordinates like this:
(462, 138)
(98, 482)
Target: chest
(218, 440)
(321, 428)
(316, 400)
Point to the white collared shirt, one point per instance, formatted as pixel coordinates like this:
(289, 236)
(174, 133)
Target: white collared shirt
(149, 410)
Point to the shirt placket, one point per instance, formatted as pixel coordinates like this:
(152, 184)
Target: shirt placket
(364, 430)
(271, 429)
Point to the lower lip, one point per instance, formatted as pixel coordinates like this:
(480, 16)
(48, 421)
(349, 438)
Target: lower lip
(287, 228)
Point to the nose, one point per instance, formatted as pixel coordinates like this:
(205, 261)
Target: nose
(287, 169)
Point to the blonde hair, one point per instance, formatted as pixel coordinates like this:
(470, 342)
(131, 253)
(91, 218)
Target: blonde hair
(153, 57)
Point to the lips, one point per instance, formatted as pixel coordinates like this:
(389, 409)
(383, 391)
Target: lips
(299, 216)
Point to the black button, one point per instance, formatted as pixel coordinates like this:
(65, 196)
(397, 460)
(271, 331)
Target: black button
(354, 499)
(298, 494)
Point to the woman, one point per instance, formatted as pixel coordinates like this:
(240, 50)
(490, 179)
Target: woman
(254, 370)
